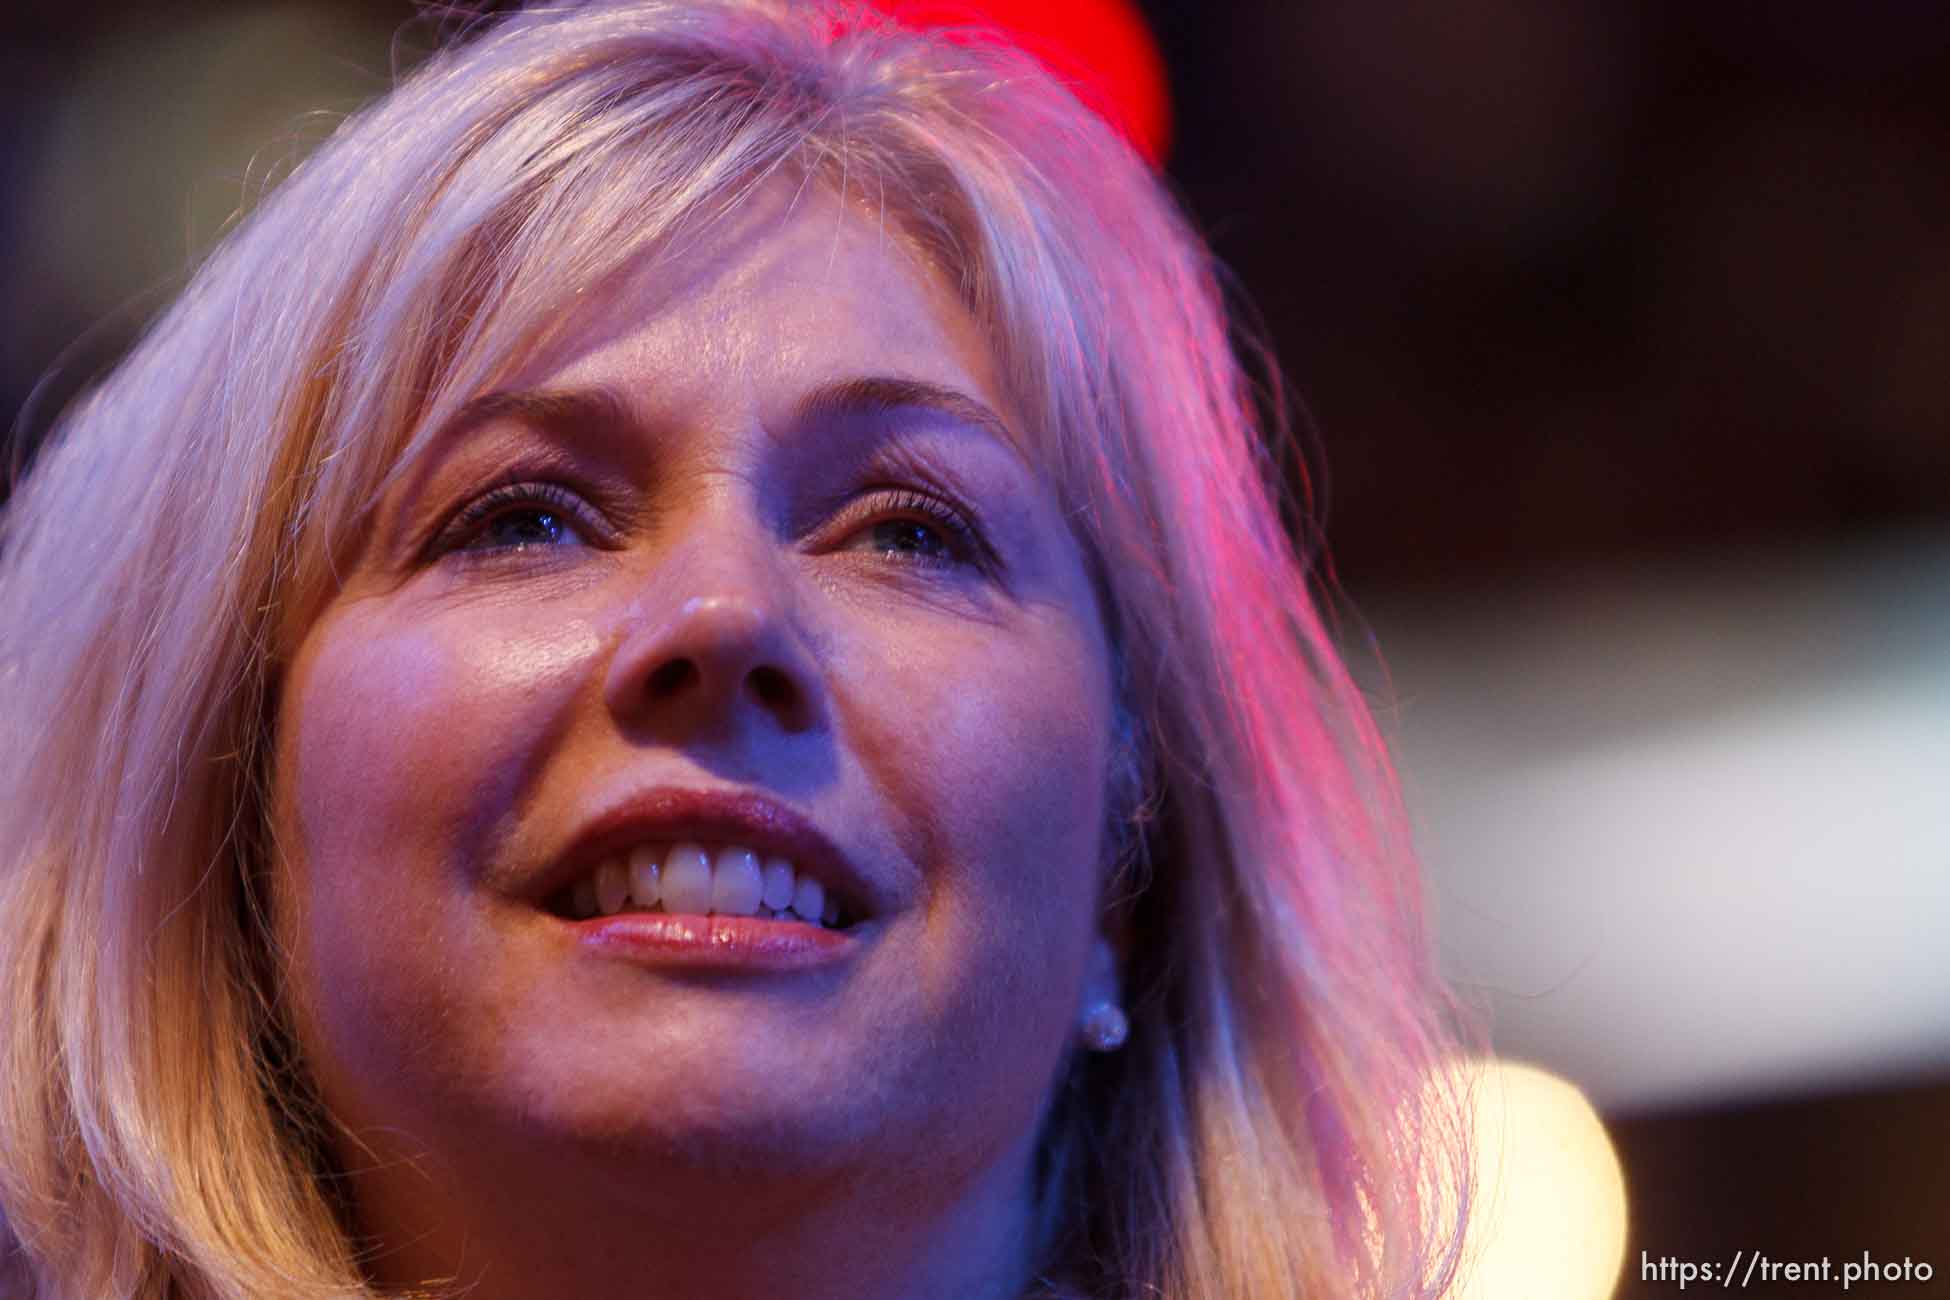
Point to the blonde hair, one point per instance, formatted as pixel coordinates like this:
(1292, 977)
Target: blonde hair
(1268, 1132)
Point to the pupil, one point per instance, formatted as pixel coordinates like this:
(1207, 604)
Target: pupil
(526, 528)
(908, 536)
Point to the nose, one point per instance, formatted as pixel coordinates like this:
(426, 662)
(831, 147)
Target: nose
(708, 648)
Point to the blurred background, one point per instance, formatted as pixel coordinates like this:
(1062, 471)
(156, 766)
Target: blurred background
(1623, 334)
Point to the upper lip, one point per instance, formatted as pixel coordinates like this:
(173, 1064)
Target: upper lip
(669, 814)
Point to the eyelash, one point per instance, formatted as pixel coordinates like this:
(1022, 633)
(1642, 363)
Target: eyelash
(891, 504)
(458, 538)
(884, 504)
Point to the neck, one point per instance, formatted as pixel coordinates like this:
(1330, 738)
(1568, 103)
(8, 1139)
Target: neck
(857, 1234)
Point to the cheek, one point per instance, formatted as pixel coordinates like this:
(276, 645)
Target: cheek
(1021, 770)
(397, 742)
(997, 747)
(1011, 767)
(402, 746)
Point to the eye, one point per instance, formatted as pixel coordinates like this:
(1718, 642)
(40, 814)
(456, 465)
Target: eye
(913, 527)
(523, 526)
(515, 518)
(910, 537)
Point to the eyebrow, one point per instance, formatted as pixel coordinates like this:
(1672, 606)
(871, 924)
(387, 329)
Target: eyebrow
(888, 395)
(554, 410)
(601, 408)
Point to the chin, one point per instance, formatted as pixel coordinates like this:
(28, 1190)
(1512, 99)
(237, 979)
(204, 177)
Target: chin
(729, 1100)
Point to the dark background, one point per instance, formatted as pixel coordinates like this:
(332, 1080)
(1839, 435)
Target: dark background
(1567, 289)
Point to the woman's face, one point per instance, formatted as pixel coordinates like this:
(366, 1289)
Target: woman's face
(751, 559)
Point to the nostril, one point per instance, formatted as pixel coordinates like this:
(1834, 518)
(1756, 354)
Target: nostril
(774, 689)
(672, 677)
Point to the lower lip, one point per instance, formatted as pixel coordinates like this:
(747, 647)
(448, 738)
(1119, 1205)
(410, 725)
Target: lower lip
(726, 943)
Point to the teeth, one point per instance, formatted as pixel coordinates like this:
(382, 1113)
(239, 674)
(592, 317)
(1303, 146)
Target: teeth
(688, 878)
(736, 882)
(612, 887)
(777, 895)
(809, 899)
(646, 875)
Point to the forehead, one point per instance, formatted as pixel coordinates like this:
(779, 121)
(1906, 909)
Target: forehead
(741, 311)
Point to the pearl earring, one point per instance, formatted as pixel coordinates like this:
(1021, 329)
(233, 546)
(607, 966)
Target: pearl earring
(1105, 1027)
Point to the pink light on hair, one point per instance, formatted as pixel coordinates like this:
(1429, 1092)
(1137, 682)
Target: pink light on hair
(1101, 49)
